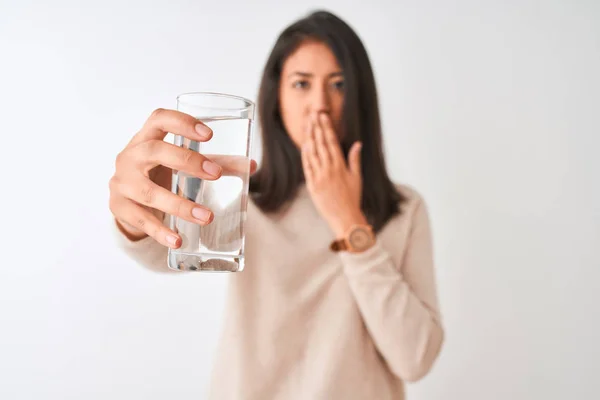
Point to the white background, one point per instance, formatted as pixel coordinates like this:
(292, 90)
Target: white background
(489, 109)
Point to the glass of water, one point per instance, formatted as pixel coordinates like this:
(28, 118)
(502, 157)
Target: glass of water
(218, 246)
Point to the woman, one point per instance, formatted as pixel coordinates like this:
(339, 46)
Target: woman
(304, 321)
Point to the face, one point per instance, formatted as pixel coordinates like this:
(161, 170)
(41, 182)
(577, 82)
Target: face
(311, 83)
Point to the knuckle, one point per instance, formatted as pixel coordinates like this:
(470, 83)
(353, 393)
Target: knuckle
(181, 208)
(151, 147)
(156, 114)
(147, 194)
(113, 184)
(187, 156)
(125, 158)
(121, 157)
(113, 204)
(146, 151)
(140, 223)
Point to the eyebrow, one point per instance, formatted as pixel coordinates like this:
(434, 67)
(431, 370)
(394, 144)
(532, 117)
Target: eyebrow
(309, 75)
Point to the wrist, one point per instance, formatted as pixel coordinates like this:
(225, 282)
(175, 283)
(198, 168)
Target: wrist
(342, 224)
(357, 238)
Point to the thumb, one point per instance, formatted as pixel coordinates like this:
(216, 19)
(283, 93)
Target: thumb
(354, 158)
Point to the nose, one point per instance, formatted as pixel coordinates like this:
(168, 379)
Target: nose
(320, 101)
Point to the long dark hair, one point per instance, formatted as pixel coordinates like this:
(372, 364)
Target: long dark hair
(281, 174)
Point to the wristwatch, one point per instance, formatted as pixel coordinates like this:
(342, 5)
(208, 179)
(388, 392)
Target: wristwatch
(358, 238)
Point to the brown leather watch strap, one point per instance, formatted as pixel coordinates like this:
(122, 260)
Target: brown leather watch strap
(338, 245)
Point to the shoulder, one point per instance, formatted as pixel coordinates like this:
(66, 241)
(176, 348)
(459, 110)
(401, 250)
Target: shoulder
(413, 197)
(409, 227)
(413, 209)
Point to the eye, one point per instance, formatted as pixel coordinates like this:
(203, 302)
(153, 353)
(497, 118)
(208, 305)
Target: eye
(339, 85)
(300, 84)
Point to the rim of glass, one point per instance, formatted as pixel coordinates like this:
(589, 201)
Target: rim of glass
(247, 102)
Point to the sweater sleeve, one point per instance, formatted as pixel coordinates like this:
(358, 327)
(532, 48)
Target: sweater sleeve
(399, 303)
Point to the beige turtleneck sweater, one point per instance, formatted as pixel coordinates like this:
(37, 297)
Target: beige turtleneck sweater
(304, 323)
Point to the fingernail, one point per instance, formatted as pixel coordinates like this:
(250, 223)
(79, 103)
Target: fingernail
(201, 214)
(203, 131)
(172, 240)
(211, 168)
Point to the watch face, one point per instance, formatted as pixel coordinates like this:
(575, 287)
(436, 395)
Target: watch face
(360, 238)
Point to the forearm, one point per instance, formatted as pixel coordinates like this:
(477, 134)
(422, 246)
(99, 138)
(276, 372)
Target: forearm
(406, 331)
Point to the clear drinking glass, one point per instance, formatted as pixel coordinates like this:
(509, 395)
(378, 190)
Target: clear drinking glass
(218, 246)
